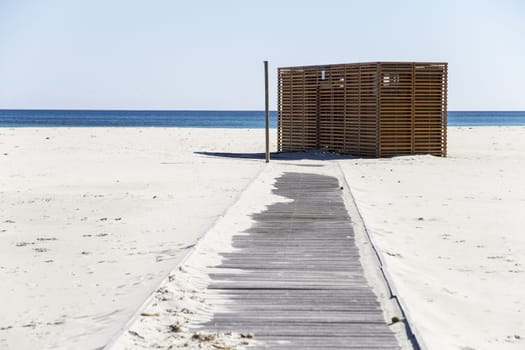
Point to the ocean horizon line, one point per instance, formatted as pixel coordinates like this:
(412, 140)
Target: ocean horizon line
(205, 118)
(216, 110)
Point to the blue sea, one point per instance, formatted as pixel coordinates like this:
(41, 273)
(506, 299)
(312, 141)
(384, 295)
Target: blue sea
(203, 119)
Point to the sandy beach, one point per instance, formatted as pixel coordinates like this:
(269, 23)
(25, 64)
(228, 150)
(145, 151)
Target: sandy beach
(92, 219)
(450, 231)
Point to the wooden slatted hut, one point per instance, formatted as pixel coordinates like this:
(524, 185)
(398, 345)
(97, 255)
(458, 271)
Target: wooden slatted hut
(366, 109)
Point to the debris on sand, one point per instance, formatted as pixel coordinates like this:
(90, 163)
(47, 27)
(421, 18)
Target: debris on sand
(136, 334)
(176, 328)
(395, 319)
(204, 337)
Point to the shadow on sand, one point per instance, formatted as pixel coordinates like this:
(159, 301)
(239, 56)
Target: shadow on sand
(300, 155)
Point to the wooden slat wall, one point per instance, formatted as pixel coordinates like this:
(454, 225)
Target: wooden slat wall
(331, 109)
(413, 108)
(367, 109)
(430, 109)
(396, 109)
(297, 110)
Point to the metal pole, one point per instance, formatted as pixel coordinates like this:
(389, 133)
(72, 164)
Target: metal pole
(266, 112)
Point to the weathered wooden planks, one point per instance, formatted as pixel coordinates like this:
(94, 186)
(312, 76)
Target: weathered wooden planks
(295, 279)
(368, 109)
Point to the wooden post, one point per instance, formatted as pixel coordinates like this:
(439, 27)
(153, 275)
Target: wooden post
(266, 112)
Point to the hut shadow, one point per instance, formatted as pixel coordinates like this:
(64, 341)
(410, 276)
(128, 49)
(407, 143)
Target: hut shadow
(299, 155)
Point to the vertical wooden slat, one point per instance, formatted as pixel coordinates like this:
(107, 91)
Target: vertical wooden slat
(413, 112)
(359, 125)
(318, 119)
(378, 111)
(279, 109)
(266, 113)
(345, 116)
(445, 109)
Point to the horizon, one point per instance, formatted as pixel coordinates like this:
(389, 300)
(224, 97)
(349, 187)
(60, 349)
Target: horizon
(197, 110)
(128, 55)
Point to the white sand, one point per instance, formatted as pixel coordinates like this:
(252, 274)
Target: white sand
(92, 219)
(449, 229)
(182, 300)
(452, 234)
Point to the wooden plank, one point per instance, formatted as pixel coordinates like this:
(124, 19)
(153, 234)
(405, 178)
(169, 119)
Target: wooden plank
(295, 279)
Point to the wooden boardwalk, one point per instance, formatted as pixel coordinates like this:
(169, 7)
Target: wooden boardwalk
(295, 280)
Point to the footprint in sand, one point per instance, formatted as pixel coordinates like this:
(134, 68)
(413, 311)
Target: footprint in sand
(397, 255)
(23, 244)
(46, 239)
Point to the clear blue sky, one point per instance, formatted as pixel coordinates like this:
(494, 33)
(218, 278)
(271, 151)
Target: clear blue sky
(168, 54)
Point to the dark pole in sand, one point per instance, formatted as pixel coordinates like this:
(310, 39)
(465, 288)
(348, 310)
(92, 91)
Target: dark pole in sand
(266, 112)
